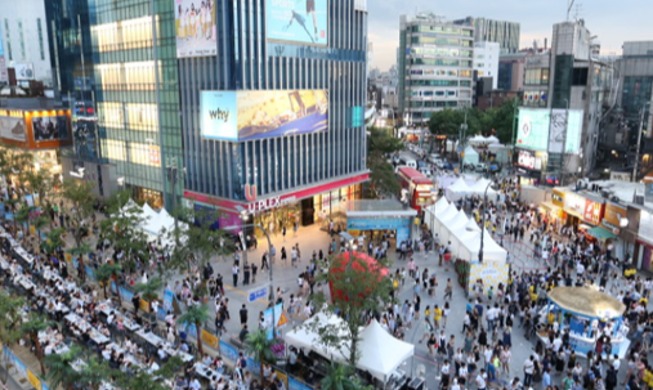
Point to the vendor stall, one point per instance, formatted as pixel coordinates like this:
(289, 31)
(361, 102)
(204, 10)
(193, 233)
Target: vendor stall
(590, 315)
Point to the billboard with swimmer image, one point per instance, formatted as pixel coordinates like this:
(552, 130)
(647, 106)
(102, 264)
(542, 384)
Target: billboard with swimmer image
(297, 21)
(248, 115)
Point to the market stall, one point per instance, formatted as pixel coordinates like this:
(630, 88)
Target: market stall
(589, 314)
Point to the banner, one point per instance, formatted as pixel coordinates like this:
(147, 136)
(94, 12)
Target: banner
(210, 339)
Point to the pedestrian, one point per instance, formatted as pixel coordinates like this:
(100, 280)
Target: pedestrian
(254, 269)
(448, 290)
(264, 261)
(247, 270)
(234, 274)
(529, 369)
(243, 315)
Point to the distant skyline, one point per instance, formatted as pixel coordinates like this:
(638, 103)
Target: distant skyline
(613, 22)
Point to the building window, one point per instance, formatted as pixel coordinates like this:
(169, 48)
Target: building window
(10, 56)
(115, 150)
(22, 40)
(40, 32)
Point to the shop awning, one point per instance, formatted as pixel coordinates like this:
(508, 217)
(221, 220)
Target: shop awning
(601, 233)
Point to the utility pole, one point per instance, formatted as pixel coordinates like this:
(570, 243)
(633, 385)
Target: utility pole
(639, 140)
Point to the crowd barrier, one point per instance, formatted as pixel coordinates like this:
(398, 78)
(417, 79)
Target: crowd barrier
(22, 370)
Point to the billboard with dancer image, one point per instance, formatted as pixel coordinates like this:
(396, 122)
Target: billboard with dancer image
(195, 28)
(50, 128)
(297, 21)
(248, 115)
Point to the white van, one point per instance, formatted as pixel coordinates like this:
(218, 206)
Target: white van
(408, 162)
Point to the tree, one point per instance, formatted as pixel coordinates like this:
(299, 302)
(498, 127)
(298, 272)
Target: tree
(141, 380)
(258, 345)
(197, 315)
(39, 182)
(60, 368)
(22, 216)
(357, 288)
(380, 144)
(105, 273)
(53, 241)
(80, 251)
(341, 377)
(35, 324)
(448, 121)
(10, 321)
(79, 194)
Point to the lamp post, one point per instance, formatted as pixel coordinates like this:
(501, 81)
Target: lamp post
(480, 251)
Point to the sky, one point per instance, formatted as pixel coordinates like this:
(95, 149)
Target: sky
(613, 21)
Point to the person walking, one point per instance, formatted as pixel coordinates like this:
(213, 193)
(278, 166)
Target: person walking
(529, 369)
(243, 315)
(234, 274)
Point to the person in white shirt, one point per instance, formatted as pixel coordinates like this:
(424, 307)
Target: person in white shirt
(480, 380)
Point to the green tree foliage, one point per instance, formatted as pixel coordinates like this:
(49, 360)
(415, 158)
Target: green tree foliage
(10, 324)
(80, 197)
(496, 121)
(105, 273)
(34, 324)
(197, 315)
(341, 377)
(258, 345)
(359, 289)
(380, 145)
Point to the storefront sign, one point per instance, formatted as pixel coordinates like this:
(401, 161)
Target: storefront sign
(613, 215)
(574, 204)
(558, 197)
(264, 205)
(526, 159)
(646, 226)
(592, 212)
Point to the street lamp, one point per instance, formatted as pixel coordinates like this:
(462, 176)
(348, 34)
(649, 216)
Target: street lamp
(480, 251)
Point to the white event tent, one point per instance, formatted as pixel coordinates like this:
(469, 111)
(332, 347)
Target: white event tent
(380, 352)
(153, 223)
(459, 189)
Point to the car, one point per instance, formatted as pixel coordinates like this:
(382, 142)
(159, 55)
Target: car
(480, 167)
(433, 157)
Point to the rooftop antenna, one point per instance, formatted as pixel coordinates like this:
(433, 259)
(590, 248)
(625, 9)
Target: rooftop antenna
(570, 4)
(578, 11)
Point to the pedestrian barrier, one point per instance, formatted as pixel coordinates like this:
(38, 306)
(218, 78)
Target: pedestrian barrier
(22, 371)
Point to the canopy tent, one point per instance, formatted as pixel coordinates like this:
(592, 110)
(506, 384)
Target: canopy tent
(492, 251)
(480, 140)
(492, 140)
(307, 337)
(445, 180)
(471, 156)
(380, 352)
(454, 226)
(457, 190)
(442, 218)
(153, 223)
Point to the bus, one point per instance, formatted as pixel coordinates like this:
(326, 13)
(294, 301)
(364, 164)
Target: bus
(417, 187)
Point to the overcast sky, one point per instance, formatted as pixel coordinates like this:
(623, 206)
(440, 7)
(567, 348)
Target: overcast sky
(613, 21)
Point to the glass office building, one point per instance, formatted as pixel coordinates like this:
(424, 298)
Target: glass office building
(137, 95)
(272, 105)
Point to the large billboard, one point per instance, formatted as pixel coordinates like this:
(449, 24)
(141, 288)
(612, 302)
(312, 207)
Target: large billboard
(85, 139)
(248, 115)
(544, 129)
(12, 127)
(50, 128)
(574, 122)
(297, 21)
(533, 131)
(196, 29)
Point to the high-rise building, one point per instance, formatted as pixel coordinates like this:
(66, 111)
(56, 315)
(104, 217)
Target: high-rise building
(636, 78)
(564, 93)
(272, 108)
(506, 34)
(486, 61)
(24, 31)
(435, 61)
(137, 96)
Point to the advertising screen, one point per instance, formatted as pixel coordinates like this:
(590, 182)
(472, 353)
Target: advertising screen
(574, 122)
(12, 128)
(297, 21)
(50, 128)
(533, 131)
(247, 115)
(85, 139)
(195, 25)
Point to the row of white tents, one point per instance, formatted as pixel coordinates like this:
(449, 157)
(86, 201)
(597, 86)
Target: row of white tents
(461, 188)
(453, 225)
(155, 224)
(380, 352)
